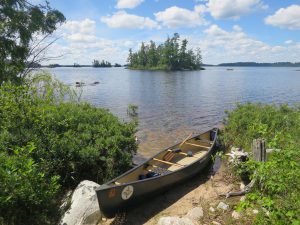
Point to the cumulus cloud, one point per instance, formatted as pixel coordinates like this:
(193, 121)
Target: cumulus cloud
(175, 17)
(233, 9)
(285, 18)
(128, 4)
(122, 19)
(86, 26)
(219, 45)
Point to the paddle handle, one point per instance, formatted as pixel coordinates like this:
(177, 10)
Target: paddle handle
(186, 139)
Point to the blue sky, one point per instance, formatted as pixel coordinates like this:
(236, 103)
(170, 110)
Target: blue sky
(225, 30)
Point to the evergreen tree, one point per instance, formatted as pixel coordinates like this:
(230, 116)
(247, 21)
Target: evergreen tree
(171, 55)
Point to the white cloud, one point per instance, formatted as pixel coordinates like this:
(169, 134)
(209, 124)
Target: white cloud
(122, 19)
(219, 45)
(174, 17)
(86, 26)
(233, 9)
(81, 37)
(288, 42)
(285, 18)
(128, 4)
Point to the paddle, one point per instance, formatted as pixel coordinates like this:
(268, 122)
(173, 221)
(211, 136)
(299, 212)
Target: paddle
(185, 139)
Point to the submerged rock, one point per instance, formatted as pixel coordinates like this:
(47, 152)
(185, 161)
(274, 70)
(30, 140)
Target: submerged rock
(84, 206)
(175, 221)
(195, 213)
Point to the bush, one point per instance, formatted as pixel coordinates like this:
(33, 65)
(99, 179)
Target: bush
(75, 141)
(277, 193)
(26, 193)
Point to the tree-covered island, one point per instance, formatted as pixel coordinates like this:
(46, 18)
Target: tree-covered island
(170, 55)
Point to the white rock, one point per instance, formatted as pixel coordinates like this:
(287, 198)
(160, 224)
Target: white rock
(236, 215)
(255, 211)
(243, 198)
(215, 222)
(195, 213)
(84, 208)
(242, 186)
(212, 209)
(223, 206)
(175, 221)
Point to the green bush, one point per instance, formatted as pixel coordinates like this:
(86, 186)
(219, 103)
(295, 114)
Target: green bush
(26, 193)
(75, 141)
(251, 121)
(277, 190)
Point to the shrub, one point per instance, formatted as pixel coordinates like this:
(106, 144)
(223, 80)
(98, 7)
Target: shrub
(277, 193)
(73, 140)
(26, 193)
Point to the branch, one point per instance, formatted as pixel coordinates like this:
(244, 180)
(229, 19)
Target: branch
(246, 190)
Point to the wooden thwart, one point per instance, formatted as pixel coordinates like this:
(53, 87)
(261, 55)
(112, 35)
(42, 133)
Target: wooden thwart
(196, 145)
(170, 163)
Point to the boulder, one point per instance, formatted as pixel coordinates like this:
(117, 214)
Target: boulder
(195, 213)
(84, 207)
(175, 221)
(223, 206)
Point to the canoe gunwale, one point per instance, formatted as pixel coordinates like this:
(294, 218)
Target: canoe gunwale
(110, 184)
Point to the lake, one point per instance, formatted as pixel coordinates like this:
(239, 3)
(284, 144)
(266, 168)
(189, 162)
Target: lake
(171, 105)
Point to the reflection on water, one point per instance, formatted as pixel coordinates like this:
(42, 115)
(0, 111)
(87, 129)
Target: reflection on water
(174, 104)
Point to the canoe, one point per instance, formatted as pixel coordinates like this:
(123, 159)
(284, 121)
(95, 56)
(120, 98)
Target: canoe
(158, 173)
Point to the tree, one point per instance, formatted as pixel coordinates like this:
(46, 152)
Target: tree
(20, 21)
(171, 55)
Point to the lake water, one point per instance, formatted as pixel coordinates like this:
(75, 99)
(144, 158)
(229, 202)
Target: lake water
(174, 104)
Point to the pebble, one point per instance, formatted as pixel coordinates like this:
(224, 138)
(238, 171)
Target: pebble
(212, 209)
(236, 215)
(175, 221)
(215, 222)
(223, 206)
(195, 213)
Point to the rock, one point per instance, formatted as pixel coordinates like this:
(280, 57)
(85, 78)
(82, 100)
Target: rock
(212, 209)
(84, 206)
(255, 211)
(236, 215)
(175, 221)
(223, 206)
(195, 213)
(242, 186)
(243, 198)
(215, 222)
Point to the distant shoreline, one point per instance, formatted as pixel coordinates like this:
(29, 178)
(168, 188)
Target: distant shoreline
(237, 64)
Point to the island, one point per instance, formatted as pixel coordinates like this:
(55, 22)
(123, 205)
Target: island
(172, 55)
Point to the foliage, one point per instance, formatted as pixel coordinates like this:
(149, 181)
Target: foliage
(277, 193)
(103, 63)
(171, 55)
(74, 140)
(251, 121)
(26, 192)
(20, 21)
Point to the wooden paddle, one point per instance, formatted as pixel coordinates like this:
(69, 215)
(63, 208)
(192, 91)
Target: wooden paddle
(185, 139)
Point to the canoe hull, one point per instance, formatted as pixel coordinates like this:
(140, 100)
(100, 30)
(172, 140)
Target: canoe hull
(112, 200)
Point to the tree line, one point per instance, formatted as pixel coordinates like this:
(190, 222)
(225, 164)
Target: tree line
(170, 55)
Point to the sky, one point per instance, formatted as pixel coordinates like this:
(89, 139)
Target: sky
(224, 30)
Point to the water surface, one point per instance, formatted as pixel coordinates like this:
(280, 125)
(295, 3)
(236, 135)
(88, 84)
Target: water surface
(174, 104)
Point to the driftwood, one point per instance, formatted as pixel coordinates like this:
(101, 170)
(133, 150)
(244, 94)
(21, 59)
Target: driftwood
(259, 154)
(246, 190)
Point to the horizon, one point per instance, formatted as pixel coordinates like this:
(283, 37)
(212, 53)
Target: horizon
(253, 30)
